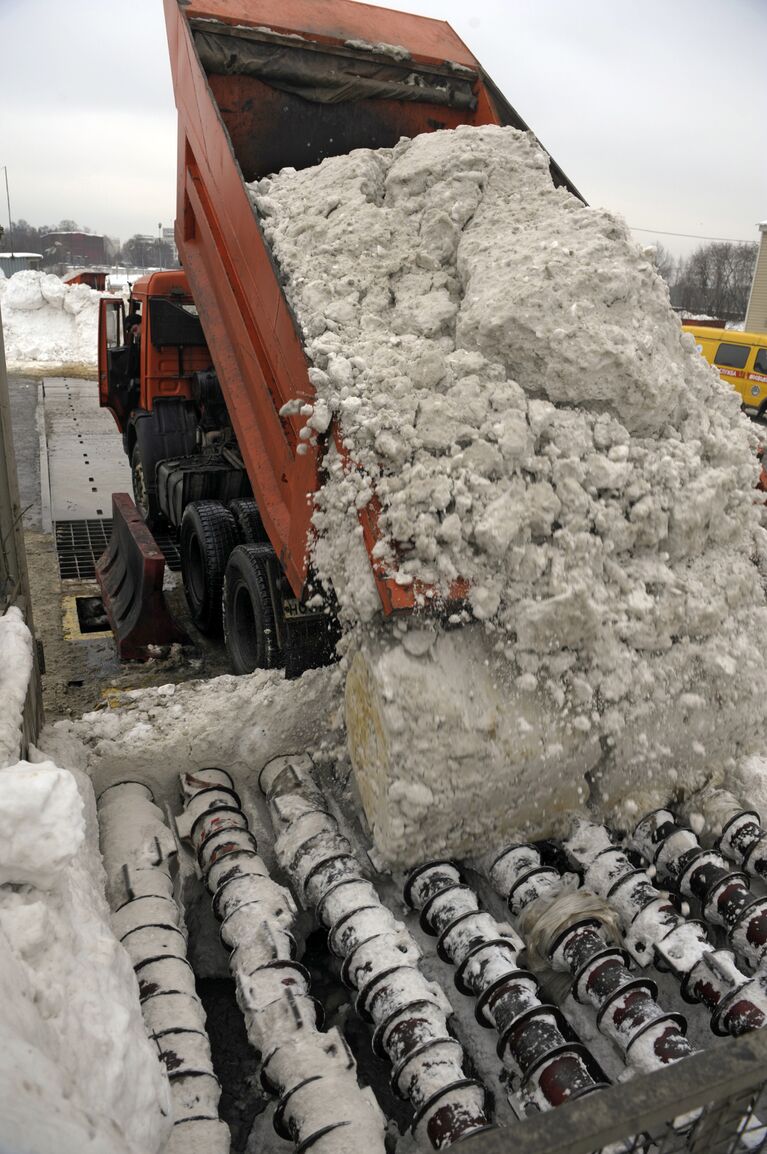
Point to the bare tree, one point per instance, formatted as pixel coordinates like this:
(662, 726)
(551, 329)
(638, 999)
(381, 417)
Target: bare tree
(716, 280)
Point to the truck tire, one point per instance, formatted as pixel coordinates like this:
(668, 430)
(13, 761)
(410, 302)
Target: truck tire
(146, 503)
(208, 536)
(249, 630)
(249, 523)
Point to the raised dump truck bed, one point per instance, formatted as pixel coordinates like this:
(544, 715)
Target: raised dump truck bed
(264, 86)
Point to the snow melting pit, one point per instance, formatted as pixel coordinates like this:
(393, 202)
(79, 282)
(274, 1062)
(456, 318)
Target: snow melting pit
(369, 1003)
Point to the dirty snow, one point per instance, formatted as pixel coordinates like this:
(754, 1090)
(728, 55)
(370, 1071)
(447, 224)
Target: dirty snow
(15, 672)
(77, 1072)
(236, 723)
(513, 386)
(47, 323)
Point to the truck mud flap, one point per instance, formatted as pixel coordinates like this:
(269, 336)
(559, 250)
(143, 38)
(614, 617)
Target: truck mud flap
(130, 576)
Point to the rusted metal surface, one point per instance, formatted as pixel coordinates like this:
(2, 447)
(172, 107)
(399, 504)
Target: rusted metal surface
(130, 576)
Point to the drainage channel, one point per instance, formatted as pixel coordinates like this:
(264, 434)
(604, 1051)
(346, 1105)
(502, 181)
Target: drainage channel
(85, 464)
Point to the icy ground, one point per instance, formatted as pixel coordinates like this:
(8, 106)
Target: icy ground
(48, 324)
(512, 385)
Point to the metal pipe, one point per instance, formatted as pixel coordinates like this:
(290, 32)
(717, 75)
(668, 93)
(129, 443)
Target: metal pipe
(313, 1073)
(534, 1041)
(724, 894)
(626, 1006)
(380, 958)
(655, 931)
(138, 850)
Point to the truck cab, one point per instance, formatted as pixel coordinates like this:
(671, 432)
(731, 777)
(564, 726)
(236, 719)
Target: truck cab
(152, 358)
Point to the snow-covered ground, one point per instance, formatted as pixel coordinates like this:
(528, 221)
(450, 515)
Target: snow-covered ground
(48, 325)
(77, 1071)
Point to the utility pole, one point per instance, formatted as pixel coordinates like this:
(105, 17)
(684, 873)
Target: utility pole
(8, 199)
(159, 244)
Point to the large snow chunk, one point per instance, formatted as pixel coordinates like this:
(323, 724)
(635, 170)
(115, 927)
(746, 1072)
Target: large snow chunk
(449, 755)
(41, 823)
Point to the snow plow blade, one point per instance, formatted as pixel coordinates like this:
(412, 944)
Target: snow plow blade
(130, 576)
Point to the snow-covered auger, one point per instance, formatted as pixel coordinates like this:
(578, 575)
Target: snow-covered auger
(655, 930)
(138, 850)
(577, 936)
(312, 1072)
(533, 1039)
(380, 958)
(725, 895)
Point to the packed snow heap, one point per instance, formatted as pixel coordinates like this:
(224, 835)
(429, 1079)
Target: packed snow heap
(513, 387)
(48, 324)
(77, 1071)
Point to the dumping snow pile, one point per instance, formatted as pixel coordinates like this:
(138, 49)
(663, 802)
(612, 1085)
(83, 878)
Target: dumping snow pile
(511, 383)
(77, 1071)
(47, 323)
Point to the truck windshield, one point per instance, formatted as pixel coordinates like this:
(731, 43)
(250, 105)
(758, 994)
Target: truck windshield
(174, 324)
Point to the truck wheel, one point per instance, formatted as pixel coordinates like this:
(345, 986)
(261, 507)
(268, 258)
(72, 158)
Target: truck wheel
(208, 535)
(145, 503)
(249, 630)
(249, 523)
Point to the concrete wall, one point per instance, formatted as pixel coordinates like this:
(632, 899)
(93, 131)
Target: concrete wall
(14, 579)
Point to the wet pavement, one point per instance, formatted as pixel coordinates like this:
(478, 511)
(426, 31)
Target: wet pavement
(70, 459)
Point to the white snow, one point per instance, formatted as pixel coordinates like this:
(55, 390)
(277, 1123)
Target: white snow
(15, 672)
(41, 824)
(236, 723)
(48, 323)
(77, 1072)
(512, 385)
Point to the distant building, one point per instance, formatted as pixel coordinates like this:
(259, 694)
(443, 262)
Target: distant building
(756, 314)
(169, 237)
(79, 249)
(19, 261)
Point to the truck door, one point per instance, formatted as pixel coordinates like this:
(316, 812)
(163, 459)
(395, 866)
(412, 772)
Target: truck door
(118, 368)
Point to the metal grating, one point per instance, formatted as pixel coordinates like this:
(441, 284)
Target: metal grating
(713, 1102)
(167, 540)
(79, 544)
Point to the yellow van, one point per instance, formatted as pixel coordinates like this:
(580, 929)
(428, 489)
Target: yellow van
(741, 359)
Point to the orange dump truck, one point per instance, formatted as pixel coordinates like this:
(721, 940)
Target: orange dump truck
(199, 369)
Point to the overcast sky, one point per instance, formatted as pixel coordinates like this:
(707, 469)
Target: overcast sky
(655, 110)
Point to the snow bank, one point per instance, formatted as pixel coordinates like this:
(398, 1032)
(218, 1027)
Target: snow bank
(47, 323)
(41, 824)
(77, 1072)
(15, 672)
(514, 387)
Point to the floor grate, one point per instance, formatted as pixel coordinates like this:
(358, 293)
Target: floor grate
(168, 542)
(79, 544)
